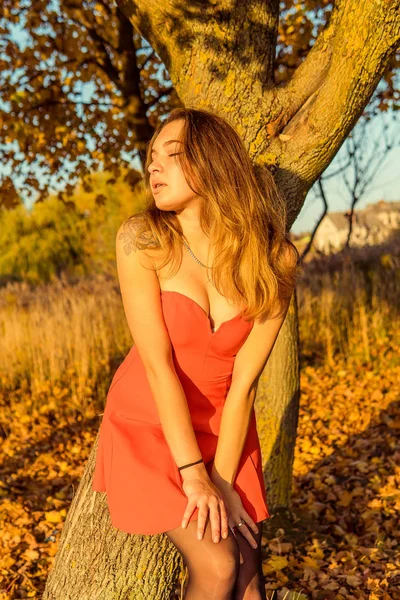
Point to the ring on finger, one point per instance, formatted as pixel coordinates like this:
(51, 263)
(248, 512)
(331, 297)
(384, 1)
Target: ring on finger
(242, 522)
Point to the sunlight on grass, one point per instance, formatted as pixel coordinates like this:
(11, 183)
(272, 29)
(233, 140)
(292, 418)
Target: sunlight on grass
(62, 343)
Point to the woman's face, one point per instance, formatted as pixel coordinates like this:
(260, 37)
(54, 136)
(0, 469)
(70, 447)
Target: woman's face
(165, 167)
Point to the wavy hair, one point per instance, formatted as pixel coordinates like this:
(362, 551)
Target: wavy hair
(242, 212)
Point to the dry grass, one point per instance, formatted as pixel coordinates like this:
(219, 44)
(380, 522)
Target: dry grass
(61, 344)
(76, 332)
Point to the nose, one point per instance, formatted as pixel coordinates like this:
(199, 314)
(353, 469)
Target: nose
(154, 165)
(153, 169)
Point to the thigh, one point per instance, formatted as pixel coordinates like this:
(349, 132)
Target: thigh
(222, 557)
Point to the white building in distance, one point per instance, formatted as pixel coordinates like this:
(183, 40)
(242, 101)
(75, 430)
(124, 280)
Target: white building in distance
(371, 225)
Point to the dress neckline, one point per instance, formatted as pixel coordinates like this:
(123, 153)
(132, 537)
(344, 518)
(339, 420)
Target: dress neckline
(211, 330)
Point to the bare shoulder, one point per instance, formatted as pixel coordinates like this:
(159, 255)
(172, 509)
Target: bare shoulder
(140, 291)
(135, 234)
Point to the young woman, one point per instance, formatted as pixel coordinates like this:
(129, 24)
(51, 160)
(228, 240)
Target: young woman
(206, 273)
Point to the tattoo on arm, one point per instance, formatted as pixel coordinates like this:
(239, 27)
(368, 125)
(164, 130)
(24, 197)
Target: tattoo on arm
(129, 237)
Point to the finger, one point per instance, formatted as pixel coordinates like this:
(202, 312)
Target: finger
(188, 513)
(250, 523)
(201, 520)
(215, 519)
(224, 520)
(253, 526)
(244, 530)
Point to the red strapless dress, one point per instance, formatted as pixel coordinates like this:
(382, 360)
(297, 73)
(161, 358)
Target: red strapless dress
(134, 464)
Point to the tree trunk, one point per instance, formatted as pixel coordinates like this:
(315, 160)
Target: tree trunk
(221, 58)
(95, 561)
(277, 409)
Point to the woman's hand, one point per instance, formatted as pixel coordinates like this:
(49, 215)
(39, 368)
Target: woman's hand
(236, 512)
(202, 493)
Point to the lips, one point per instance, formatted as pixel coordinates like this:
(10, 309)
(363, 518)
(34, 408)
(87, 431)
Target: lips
(157, 186)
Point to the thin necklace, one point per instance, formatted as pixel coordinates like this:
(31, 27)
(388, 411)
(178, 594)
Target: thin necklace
(192, 255)
(213, 329)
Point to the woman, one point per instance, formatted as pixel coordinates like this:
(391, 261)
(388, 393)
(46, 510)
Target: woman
(206, 273)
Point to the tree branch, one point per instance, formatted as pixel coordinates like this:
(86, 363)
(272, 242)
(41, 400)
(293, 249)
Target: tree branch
(101, 44)
(353, 52)
(321, 218)
(179, 31)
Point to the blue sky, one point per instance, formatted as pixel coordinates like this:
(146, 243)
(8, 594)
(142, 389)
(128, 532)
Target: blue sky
(385, 185)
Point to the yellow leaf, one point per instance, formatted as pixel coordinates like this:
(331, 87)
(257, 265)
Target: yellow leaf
(6, 562)
(318, 553)
(53, 516)
(31, 554)
(309, 563)
(275, 563)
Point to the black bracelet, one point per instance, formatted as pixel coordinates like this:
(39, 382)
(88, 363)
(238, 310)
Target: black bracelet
(195, 463)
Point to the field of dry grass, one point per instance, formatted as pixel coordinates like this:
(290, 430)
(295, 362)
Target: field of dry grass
(61, 344)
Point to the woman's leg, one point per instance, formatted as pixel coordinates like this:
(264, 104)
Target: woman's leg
(250, 579)
(212, 567)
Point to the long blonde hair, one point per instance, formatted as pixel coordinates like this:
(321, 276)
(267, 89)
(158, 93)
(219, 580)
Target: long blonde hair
(242, 213)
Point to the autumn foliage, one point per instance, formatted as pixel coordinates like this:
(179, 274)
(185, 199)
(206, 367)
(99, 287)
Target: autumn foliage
(74, 237)
(62, 342)
(82, 90)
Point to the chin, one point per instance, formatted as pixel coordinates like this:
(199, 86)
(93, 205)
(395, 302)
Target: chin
(165, 206)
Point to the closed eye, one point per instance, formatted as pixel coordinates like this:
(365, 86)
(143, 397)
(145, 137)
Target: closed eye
(175, 154)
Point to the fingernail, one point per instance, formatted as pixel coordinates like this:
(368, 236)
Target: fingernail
(199, 536)
(224, 535)
(216, 539)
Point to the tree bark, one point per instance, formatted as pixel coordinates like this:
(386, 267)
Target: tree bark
(222, 59)
(277, 410)
(96, 561)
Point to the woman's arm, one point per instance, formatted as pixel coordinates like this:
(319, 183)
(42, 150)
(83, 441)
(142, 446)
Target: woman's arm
(249, 364)
(140, 292)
